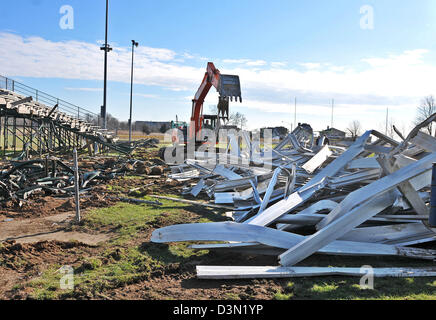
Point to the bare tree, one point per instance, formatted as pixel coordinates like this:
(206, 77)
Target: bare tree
(425, 110)
(146, 129)
(213, 109)
(387, 128)
(164, 128)
(355, 128)
(391, 131)
(112, 122)
(238, 119)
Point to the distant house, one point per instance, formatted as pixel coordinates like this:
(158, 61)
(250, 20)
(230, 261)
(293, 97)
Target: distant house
(277, 132)
(230, 127)
(154, 126)
(333, 134)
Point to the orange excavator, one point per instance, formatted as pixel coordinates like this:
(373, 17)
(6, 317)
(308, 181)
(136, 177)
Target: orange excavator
(229, 89)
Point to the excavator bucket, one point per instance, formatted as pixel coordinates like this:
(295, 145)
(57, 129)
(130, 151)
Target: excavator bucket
(229, 87)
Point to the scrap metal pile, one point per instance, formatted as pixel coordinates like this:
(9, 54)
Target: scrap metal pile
(368, 199)
(129, 147)
(20, 180)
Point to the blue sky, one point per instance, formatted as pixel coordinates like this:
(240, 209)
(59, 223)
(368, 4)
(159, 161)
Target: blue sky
(313, 50)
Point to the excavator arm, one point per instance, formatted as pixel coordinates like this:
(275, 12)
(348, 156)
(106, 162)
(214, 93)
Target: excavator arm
(228, 87)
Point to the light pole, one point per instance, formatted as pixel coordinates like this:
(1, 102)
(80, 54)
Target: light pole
(106, 48)
(295, 113)
(333, 108)
(134, 44)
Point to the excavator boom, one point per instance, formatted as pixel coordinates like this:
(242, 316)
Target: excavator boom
(228, 88)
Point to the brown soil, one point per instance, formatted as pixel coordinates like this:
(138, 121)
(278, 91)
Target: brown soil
(49, 206)
(40, 234)
(185, 286)
(22, 262)
(57, 227)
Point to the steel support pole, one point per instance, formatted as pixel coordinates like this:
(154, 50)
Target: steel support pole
(76, 186)
(134, 43)
(432, 217)
(106, 49)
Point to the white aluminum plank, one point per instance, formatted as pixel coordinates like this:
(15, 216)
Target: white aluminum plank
(347, 220)
(406, 188)
(419, 182)
(226, 173)
(318, 182)
(355, 177)
(364, 163)
(388, 234)
(224, 197)
(223, 245)
(306, 217)
(238, 232)
(250, 272)
(318, 160)
(269, 190)
(197, 188)
(425, 141)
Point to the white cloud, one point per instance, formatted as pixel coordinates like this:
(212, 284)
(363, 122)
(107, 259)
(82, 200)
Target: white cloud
(387, 81)
(256, 63)
(41, 58)
(146, 95)
(188, 56)
(311, 65)
(246, 62)
(84, 89)
(156, 53)
(278, 64)
(236, 61)
(409, 57)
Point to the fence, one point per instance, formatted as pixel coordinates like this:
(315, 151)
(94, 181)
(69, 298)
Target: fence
(49, 100)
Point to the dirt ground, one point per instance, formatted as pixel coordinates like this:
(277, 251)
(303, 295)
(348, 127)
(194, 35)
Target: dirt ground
(42, 233)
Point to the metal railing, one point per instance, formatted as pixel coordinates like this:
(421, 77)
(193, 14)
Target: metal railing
(49, 100)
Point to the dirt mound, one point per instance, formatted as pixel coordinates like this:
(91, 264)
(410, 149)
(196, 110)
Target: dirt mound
(66, 206)
(48, 206)
(39, 207)
(23, 257)
(96, 200)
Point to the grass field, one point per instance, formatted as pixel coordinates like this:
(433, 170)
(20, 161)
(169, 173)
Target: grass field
(138, 135)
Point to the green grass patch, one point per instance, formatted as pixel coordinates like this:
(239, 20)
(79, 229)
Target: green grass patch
(132, 177)
(110, 187)
(231, 296)
(324, 288)
(113, 269)
(283, 296)
(343, 288)
(122, 260)
(128, 219)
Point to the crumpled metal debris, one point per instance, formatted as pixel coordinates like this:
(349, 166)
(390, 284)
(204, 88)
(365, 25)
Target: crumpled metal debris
(368, 199)
(20, 180)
